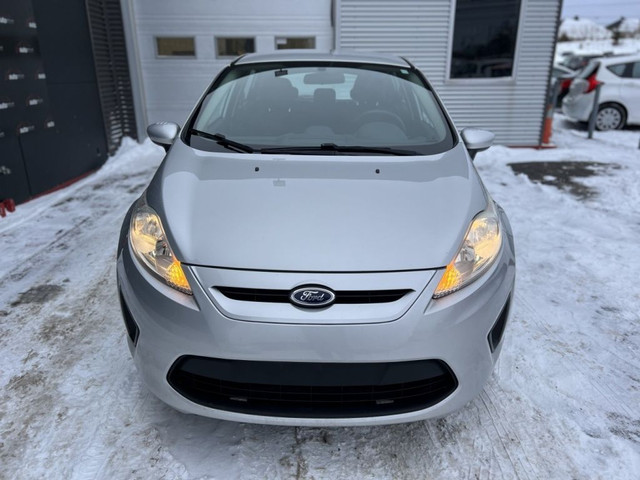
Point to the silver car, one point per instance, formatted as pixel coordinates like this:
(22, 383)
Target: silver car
(316, 248)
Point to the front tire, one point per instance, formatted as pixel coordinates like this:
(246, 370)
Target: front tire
(611, 116)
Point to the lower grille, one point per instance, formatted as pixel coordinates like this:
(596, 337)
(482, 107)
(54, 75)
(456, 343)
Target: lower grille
(312, 390)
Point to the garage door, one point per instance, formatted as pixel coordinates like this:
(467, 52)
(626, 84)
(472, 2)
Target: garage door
(182, 45)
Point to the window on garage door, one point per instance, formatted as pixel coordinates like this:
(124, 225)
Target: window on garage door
(175, 47)
(232, 47)
(284, 43)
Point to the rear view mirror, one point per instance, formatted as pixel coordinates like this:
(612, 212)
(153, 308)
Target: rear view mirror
(324, 78)
(163, 133)
(476, 140)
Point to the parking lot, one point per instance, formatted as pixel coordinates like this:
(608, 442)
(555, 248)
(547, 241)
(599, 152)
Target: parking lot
(563, 402)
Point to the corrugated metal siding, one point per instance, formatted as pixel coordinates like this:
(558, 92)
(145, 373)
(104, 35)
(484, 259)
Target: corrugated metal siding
(173, 85)
(420, 30)
(112, 71)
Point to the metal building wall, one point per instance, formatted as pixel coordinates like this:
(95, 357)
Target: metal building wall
(51, 128)
(422, 30)
(171, 86)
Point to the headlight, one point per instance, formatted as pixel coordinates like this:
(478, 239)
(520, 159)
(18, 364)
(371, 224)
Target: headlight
(150, 245)
(479, 249)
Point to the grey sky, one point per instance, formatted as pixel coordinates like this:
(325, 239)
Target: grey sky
(601, 11)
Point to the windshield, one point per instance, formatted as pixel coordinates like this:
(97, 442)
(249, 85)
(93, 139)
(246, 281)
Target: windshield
(266, 106)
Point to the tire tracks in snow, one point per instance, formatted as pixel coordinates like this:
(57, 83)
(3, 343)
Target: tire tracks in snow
(503, 433)
(525, 307)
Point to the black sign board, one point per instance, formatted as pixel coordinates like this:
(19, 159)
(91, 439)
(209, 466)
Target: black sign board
(24, 102)
(51, 123)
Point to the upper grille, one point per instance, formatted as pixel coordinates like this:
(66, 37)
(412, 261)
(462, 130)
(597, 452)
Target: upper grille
(312, 390)
(282, 296)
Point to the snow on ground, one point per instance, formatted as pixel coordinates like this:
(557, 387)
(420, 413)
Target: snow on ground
(564, 401)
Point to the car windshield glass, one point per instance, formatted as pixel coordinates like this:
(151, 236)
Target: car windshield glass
(296, 105)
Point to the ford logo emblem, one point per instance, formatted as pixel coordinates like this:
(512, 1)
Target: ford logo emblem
(312, 297)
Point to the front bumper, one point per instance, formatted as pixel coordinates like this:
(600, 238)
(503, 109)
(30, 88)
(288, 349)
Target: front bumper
(454, 331)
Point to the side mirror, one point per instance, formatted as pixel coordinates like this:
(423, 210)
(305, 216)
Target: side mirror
(476, 140)
(163, 133)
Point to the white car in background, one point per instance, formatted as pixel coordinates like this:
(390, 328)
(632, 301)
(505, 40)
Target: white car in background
(619, 102)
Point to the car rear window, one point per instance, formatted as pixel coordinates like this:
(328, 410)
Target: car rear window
(306, 105)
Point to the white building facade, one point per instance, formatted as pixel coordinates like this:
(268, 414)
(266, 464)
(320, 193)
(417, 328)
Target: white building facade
(490, 60)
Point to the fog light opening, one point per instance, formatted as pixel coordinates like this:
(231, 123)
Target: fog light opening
(495, 335)
(132, 328)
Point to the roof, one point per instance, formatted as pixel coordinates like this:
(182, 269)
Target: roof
(615, 25)
(315, 56)
(619, 59)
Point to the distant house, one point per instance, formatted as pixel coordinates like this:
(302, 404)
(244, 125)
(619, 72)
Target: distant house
(625, 28)
(490, 61)
(577, 28)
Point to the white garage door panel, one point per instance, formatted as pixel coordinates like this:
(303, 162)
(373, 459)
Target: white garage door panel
(227, 8)
(178, 91)
(172, 85)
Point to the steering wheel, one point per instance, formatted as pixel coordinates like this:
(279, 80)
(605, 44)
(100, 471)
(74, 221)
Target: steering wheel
(380, 116)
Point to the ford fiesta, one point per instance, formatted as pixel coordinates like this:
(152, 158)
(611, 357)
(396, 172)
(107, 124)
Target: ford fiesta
(316, 248)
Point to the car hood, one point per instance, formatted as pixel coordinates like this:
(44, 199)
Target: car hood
(328, 213)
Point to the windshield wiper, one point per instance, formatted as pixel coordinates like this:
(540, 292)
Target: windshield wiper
(332, 147)
(222, 140)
